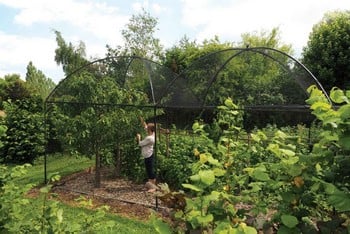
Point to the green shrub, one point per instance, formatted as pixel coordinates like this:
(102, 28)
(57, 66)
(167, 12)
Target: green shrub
(25, 135)
(19, 215)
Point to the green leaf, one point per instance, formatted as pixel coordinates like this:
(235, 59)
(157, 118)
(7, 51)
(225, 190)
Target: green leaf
(294, 170)
(347, 93)
(340, 200)
(213, 161)
(60, 215)
(287, 152)
(203, 158)
(192, 187)
(255, 186)
(280, 134)
(344, 112)
(333, 120)
(344, 141)
(213, 196)
(329, 188)
(321, 106)
(338, 96)
(229, 103)
(289, 220)
(160, 226)
(207, 176)
(219, 172)
(291, 160)
(288, 196)
(275, 149)
(249, 230)
(195, 178)
(195, 126)
(285, 230)
(255, 137)
(260, 175)
(205, 219)
(249, 170)
(223, 227)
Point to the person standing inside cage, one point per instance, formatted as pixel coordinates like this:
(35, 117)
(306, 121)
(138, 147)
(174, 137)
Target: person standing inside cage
(146, 145)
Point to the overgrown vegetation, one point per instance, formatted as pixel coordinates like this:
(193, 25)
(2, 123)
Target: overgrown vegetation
(297, 185)
(298, 191)
(20, 214)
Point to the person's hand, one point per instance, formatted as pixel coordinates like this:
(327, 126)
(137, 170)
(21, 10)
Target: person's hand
(143, 122)
(138, 136)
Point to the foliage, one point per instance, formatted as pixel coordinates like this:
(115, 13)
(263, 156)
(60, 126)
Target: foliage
(179, 57)
(327, 52)
(3, 129)
(209, 206)
(139, 37)
(266, 82)
(13, 88)
(301, 191)
(19, 215)
(175, 168)
(12, 203)
(24, 140)
(270, 39)
(94, 129)
(334, 145)
(37, 82)
(214, 71)
(90, 118)
(19, 179)
(69, 56)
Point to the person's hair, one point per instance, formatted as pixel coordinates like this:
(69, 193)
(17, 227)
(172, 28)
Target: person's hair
(150, 126)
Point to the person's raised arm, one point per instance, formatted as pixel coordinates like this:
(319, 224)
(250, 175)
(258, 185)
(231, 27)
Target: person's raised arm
(144, 124)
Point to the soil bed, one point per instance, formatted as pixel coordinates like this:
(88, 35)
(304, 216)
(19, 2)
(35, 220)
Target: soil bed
(123, 197)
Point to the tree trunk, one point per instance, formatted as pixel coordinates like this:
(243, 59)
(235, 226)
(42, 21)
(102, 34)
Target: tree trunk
(98, 170)
(117, 157)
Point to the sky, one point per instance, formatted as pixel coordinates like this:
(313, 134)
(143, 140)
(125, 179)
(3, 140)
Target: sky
(27, 27)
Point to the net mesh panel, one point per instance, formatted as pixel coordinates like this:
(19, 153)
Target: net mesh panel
(252, 77)
(268, 84)
(132, 74)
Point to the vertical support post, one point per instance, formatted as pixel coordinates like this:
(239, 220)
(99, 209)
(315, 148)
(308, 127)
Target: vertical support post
(155, 147)
(46, 138)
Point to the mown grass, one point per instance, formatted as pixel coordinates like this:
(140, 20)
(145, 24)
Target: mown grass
(56, 163)
(65, 165)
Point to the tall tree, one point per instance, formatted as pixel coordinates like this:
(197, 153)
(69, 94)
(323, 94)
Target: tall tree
(69, 56)
(327, 53)
(37, 82)
(89, 119)
(179, 57)
(265, 38)
(139, 36)
(97, 130)
(262, 77)
(13, 88)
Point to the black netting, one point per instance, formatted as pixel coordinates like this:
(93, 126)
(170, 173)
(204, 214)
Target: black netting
(269, 85)
(250, 76)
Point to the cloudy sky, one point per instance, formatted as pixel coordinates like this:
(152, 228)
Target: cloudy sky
(26, 27)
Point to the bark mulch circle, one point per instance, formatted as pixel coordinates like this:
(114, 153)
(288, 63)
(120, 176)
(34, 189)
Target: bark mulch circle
(123, 197)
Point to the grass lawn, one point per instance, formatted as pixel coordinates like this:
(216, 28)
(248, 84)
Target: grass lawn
(65, 165)
(57, 163)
